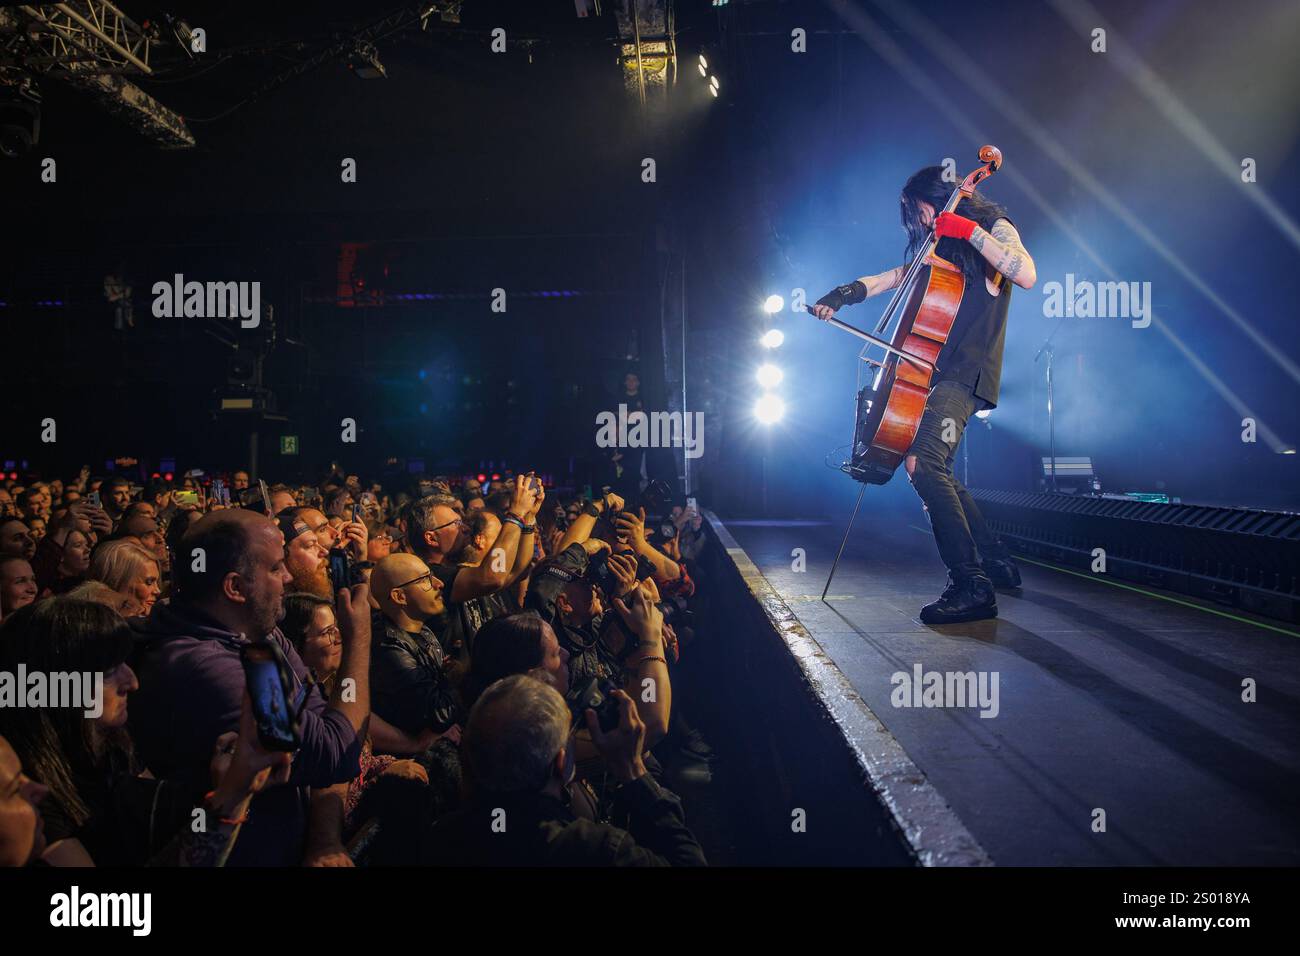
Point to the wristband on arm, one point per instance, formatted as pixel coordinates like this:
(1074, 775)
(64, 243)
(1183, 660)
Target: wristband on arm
(843, 295)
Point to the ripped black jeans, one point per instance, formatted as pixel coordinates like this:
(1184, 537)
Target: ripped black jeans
(963, 538)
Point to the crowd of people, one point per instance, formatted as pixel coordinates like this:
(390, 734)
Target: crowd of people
(454, 673)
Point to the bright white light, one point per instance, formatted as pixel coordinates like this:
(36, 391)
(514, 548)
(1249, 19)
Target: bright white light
(704, 64)
(773, 304)
(984, 413)
(773, 338)
(713, 82)
(769, 409)
(713, 90)
(769, 376)
(704, 70)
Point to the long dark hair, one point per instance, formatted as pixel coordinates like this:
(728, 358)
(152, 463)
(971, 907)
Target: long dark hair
(928, 185)
(57, 745)
(502, 647)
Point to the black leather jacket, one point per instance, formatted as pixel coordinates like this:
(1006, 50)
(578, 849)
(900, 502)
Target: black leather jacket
(409, 687)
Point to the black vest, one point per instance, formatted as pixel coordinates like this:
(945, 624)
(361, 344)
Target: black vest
(973, 353)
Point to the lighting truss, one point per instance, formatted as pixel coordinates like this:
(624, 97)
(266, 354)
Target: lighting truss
(93, 46)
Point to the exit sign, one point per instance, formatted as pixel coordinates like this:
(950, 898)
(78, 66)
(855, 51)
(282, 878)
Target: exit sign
(288, 444)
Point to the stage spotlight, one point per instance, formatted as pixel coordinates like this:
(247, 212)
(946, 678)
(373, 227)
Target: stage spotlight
(704, 64)
(364, 62)
(769, 409)
(773, 338)
(769, 376)
(704, 70)
(713, 85)
(773, 304)
(984, 413)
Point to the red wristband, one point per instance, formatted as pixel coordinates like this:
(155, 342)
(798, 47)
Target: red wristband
(955, 226)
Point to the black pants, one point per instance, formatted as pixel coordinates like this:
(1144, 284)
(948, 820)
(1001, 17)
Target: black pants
(963, 538)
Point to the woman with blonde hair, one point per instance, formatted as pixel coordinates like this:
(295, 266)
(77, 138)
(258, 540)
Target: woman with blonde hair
(129, 569)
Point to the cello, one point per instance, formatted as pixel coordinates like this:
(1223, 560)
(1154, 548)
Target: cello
(922, 313)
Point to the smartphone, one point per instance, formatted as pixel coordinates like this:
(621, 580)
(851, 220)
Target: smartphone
(340, 569)
(266, 496)
(183, 497)
(692, 506)
(93, 497)
(356, 511)
(270, 688)
(218, 487)
(535, 483)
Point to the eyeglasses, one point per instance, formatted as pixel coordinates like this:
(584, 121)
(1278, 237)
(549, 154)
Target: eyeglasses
(457, 521)
(426, 578)
(331, 635)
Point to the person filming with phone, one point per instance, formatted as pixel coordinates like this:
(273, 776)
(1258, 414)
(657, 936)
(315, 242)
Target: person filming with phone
(192, 658)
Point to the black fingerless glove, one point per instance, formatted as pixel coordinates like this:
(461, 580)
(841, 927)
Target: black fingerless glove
(843, 295)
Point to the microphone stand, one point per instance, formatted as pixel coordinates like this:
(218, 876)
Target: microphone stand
(1051, 408)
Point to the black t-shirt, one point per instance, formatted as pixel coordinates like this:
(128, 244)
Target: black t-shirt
(973, 353)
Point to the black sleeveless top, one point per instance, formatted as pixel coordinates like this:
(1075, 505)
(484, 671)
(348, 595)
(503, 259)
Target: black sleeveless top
(973, 353)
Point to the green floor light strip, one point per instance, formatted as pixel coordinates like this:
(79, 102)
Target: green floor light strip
(1162, 597)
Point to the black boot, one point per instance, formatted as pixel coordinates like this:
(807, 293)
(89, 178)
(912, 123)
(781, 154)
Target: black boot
(1003, 572)
(965, 599)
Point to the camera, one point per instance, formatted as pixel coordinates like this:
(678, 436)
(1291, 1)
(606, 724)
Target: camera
(657, 496)
(676, 613)
(599, 574)
(595, 694)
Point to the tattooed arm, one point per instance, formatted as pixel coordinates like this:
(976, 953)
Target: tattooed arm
(856, 291)
(1005, 253)
(884, 281)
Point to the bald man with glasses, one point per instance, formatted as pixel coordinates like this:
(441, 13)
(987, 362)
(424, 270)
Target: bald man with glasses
(409, 684)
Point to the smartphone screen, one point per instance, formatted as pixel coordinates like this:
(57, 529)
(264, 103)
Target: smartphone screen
(276, 726)
(94, 499)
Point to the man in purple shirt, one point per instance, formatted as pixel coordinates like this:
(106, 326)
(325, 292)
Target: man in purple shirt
(230, 579)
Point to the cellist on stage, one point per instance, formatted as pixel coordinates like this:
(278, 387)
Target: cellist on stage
(981, 240)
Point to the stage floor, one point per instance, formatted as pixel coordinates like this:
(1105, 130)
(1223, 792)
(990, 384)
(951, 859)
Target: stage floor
(1109, 699)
